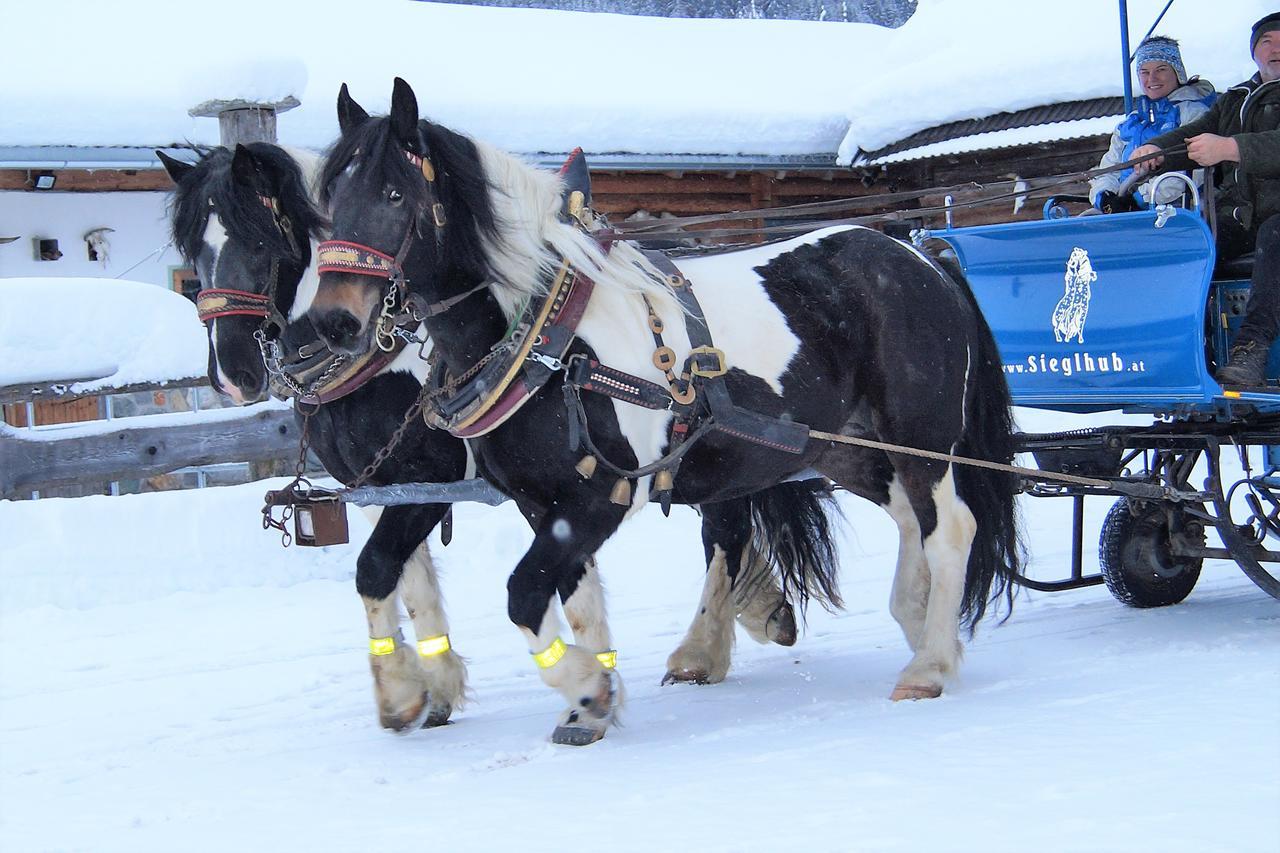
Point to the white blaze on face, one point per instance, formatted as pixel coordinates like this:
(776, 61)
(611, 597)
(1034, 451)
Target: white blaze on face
(215, 237)
(307, 287)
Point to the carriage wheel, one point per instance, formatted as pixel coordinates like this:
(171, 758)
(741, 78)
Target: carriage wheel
(1138, 561)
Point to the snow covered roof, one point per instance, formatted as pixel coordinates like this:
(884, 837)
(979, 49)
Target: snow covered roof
(532, 80)
(1051, 123)
(134, 333)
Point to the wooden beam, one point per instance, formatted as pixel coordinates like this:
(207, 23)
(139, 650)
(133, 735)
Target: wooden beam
(35, 463)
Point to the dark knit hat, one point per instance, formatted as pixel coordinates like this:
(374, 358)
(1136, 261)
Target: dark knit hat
(1266, 25)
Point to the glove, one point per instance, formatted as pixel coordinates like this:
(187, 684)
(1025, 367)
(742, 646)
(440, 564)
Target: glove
(1109, 202)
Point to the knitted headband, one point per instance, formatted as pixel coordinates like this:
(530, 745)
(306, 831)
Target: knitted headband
(1161, 49)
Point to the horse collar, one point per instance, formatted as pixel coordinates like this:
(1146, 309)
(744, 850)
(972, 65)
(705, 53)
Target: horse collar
(494, 389)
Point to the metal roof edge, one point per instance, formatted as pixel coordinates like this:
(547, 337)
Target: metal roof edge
(143, 157)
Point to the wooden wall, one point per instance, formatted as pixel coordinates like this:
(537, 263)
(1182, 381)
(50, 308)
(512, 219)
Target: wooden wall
(53, 412)
(619, 194)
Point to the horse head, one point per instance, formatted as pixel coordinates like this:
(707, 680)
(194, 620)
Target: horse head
(244, 219)
(401, 195)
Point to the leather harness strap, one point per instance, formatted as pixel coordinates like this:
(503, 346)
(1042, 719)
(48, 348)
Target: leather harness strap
(528, 359)
(703, 371)
(221, 302)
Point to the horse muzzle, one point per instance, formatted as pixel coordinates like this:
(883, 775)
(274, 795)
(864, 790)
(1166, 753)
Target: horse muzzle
(343, 312)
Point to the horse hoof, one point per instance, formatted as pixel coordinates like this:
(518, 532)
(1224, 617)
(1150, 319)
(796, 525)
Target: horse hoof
(685, 676)
(781, 627)
(914, 692)
(437, 715)
(576, 735)
(400, 719)
(577, 730)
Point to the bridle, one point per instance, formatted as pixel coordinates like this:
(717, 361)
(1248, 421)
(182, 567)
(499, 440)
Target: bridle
(218, 302)
(398, 305)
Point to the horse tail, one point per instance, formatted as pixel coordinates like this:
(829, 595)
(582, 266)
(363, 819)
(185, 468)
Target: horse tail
(792, 532)
(997, 553)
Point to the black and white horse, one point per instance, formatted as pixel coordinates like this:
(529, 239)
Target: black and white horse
(246, 220)
(844, 330)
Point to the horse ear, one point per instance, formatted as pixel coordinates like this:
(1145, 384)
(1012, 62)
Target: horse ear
(244, 167)
(404, 114)
(176, 168)
(350, 114)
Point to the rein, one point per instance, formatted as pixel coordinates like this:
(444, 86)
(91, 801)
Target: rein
(678, 227)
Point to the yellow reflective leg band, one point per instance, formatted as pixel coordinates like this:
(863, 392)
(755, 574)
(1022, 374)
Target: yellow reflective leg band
(608, 659)
(432, 646)
(382, 645)
(550, 656)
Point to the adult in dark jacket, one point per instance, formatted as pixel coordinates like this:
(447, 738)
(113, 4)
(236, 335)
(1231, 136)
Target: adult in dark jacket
(1241, 135)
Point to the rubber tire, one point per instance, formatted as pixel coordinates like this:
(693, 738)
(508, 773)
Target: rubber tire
(1130, 548)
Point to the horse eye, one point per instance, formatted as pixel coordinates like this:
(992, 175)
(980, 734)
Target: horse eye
(395, 196)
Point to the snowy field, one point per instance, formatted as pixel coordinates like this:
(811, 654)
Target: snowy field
(172, 680)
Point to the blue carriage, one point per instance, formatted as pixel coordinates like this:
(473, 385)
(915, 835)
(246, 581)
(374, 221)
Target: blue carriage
(1127, 313)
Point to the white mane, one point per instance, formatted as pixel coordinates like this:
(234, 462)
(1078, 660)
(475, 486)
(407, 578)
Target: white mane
(532, 239)
(309, 162)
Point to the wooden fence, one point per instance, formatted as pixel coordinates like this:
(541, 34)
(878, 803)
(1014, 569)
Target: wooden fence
(102, 451)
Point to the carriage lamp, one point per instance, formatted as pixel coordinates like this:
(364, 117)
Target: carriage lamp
(319, 523)
(319, 517)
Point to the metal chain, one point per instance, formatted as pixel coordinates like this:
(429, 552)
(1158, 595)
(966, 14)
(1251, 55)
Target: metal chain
(269, 522)
(385, 329)
(273, 360)
(427, 395)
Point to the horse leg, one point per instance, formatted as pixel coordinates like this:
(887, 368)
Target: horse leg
(704, 654)
(909, 600)
(565, 535)
(582, 595)
(445, 671)
(400, 684)
(948, 528)
(763, 611)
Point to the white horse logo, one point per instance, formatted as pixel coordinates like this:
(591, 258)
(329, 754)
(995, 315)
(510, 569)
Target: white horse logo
(1072, 309)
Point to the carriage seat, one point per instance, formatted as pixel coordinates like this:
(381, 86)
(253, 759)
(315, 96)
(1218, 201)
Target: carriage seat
(577, 179)
(1241, 267)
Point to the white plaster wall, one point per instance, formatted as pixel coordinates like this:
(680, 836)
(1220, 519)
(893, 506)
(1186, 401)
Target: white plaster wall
(138, 218)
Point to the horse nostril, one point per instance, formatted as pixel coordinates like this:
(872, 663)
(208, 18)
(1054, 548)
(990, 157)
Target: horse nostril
(250, 385)
(338, 327)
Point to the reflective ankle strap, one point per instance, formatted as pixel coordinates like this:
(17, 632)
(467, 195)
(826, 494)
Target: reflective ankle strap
(382, 646)
(432, 646)
(550, 656)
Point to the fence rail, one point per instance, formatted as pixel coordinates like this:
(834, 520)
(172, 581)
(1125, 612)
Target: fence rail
(98, 452)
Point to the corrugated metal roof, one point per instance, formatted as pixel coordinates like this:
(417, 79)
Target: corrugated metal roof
(1067, 111)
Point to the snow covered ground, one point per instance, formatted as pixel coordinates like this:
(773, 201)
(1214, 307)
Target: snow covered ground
(171, 679)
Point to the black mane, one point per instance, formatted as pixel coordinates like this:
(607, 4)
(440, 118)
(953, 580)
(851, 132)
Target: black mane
(239, 209)
(461, 183)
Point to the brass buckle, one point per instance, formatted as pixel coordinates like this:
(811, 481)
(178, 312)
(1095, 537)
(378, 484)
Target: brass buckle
(707, 373)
